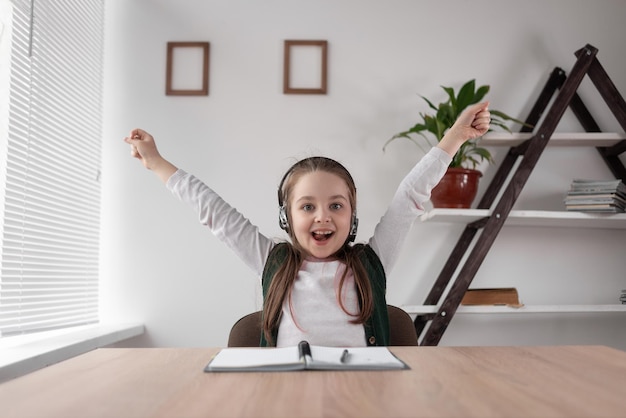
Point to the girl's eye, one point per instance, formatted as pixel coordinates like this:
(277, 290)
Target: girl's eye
(307, 208)
(336, 206)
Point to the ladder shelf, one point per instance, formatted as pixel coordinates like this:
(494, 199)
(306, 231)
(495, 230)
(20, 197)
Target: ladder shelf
(495, 206)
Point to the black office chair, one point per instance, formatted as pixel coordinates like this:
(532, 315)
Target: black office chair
(246, 331)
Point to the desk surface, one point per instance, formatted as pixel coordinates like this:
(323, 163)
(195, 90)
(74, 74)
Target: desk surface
(443, 382)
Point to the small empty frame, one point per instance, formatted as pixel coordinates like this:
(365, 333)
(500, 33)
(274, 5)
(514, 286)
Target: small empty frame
(305, 67)
(187, 72)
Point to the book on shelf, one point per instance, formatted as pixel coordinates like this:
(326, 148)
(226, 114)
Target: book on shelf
(304, 356)
(506, 296)
(582, 194)
(594, 199)
(607, 196)
(606, 207)
(597, 185)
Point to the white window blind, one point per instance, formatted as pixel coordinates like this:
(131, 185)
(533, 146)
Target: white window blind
(50, 164)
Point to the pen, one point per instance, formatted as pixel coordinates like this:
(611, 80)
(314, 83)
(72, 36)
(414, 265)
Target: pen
(305, 351)
(344, 356)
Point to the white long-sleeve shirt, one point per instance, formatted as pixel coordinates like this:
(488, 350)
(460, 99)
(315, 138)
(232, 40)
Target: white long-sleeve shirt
(317, 316)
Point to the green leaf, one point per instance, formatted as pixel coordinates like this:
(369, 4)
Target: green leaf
(432, 106)
(500, 125)
(465, 97)
(451, 97)
(504, 116)
(483, 153)
(481, 93)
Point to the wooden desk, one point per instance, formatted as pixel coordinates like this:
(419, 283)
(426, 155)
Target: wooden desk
(569, 381)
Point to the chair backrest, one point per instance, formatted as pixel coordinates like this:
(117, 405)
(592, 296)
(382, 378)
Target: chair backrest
(246, 332)
(401, 327)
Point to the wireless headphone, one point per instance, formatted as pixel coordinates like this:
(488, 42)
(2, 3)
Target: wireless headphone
(283, 220)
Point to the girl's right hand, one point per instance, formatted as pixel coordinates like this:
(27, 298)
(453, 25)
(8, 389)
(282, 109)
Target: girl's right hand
(143, 147)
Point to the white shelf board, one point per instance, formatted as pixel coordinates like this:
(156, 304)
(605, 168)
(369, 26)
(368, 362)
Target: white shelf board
(574, 139)
(484, 309)
(531, 218)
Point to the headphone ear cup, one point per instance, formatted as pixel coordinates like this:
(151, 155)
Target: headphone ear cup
(353, 229)
(282, 219)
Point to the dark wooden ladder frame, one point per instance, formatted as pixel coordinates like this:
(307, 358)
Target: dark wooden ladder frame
(586, 64)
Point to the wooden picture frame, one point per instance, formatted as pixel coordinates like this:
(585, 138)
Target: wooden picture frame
(288, 76)
(176, 65)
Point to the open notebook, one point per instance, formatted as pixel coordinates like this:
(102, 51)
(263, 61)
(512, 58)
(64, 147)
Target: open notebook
(304, 357)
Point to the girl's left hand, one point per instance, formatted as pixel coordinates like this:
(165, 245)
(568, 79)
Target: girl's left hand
(472, 123)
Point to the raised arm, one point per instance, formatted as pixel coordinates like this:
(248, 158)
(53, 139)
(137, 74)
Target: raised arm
(226, 223)
(414, 190)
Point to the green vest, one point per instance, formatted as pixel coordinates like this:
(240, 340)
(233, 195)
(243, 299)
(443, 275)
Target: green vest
(377, 326)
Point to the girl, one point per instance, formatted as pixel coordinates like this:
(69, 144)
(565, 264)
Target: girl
(319, 287)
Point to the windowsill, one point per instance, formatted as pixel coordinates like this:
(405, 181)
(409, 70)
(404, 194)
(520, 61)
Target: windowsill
(23, 354)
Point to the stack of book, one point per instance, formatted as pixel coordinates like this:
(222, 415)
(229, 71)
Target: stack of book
(608, 196)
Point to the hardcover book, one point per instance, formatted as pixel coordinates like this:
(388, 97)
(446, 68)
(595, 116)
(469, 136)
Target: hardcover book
(494, 296)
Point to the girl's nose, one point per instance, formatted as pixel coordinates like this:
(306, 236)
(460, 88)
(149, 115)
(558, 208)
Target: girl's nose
(322, 216)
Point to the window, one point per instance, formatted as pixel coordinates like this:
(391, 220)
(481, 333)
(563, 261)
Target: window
(50, 149)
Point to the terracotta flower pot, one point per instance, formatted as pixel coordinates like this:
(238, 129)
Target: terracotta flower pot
(457, 188)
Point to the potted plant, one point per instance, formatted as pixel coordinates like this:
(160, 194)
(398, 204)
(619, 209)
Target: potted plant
(458, 187)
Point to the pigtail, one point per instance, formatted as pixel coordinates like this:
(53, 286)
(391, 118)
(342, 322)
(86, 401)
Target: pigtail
(352, 259)
(280, 289)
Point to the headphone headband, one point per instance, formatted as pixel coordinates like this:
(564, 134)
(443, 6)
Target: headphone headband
(314, 161)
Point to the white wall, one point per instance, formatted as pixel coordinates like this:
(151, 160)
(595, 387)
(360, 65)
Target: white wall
(161, 267)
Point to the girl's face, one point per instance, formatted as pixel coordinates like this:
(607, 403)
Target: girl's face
(320, 213)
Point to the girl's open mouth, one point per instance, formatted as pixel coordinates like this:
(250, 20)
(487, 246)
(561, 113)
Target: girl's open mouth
(321, 235)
